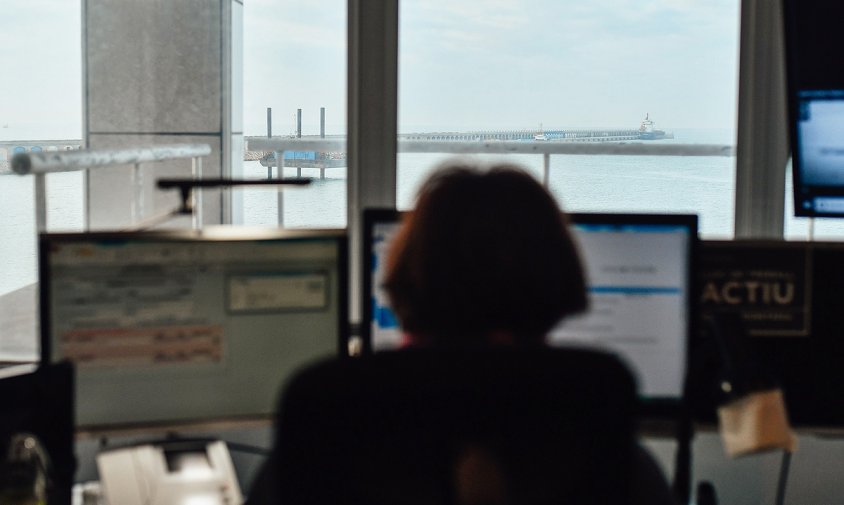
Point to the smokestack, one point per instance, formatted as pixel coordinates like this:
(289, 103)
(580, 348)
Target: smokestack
(322, 122)
(269, 122)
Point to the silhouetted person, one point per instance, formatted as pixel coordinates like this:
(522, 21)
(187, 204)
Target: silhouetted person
(486, 259)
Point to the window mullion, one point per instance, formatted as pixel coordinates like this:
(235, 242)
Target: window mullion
(372, 113)
(762, 144)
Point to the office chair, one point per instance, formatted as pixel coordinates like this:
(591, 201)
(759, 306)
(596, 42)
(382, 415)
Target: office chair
(490, 427)
(36, 433)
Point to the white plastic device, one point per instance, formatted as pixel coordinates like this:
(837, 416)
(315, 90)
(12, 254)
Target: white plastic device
(188, 473)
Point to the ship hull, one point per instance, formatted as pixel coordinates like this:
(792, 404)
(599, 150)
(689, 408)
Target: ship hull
(652, 135)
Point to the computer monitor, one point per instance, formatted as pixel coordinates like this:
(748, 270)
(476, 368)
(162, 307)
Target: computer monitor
(189, 326)
(639, 277)
(380, 329)
(638, 269)
(815, 84)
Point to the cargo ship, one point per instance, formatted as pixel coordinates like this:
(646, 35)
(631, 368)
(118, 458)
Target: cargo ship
(648, 132)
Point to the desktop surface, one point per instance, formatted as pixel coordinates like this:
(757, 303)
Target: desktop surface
(188, 326)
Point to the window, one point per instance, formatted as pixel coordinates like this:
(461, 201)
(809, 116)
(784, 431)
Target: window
(295, 64)
(558, 72)
(41, 101)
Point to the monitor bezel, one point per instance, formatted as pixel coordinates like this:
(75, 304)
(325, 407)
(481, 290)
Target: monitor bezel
(371, 217)
(219, 234)
(793, 89)
(659, 407)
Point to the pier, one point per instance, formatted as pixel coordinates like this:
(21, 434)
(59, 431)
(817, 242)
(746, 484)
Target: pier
(329, 151)
(568, 135)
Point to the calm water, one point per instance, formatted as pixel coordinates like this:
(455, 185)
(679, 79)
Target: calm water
(702, 185)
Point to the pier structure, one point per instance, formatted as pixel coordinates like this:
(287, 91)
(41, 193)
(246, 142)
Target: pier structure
(316, 151)
(261, 148)
(568, 135)
(256, 146)
(329, 151)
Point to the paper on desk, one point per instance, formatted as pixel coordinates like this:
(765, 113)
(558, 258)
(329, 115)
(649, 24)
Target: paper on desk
(756, 422)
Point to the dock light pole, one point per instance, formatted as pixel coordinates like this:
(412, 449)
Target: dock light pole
(298, 123)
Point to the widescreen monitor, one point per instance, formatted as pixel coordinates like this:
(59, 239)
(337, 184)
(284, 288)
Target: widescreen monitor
(638, 269)
(189, 327)
(815, 83)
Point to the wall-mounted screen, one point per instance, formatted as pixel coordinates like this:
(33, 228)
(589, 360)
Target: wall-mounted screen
(816, 105)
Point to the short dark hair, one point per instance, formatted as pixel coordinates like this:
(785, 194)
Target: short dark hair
(484, 251)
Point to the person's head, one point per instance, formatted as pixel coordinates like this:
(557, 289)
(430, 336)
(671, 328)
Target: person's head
(484, 253)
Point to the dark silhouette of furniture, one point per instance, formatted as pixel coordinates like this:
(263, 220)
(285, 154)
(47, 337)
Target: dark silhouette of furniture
(41, 404)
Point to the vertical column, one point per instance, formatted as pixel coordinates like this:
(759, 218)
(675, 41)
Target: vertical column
(298, 123)
(546, 169)
(40, 193)
(762, 147)
(177, 86)
(233, 199)
(373, 105)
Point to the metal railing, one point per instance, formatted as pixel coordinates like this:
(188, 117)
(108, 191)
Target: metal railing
(39, 164)
(544, 148)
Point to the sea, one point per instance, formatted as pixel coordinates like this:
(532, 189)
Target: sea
(584, 183)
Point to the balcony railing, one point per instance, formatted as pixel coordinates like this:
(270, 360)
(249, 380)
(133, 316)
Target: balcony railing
(40, 164)
(544, 148)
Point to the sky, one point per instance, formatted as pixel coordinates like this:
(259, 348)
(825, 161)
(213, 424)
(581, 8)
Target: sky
(463, 65)
(41, 85)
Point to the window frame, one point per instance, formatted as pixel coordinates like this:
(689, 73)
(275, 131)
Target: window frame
(372, 125)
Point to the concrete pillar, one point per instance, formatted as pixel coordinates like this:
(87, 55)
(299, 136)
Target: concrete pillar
(161, 72)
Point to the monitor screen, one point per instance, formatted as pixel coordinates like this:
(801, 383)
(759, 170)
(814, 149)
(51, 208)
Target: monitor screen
(638, 274)
(638, 271)
(380, 329)
(816, 105)
(169, 327)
